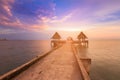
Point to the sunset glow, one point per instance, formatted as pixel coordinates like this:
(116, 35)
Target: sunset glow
(23, 19)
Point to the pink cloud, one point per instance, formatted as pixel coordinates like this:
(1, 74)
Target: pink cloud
(6, 17)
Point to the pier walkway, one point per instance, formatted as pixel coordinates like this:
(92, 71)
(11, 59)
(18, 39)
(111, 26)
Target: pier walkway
(58, 65)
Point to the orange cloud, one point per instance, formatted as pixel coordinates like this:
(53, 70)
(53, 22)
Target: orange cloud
(38, 27)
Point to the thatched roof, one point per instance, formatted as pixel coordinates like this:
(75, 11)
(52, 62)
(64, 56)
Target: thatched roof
(56, 36)
(81, 36)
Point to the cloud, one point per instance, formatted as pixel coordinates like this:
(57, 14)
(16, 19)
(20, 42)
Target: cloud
(38, 27)
(5, 6)
(24, 14)
(40, 15)
(5, 12)
(95, 11)
(51, 23)
(107, 7)
(5, 31)
(63, 19)
(106, 10)
(6, 17)
(33, 9)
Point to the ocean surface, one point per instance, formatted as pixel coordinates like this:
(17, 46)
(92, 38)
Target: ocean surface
(105, 55)
(16, 53)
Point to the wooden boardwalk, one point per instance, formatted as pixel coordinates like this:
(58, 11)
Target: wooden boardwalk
(58, 65)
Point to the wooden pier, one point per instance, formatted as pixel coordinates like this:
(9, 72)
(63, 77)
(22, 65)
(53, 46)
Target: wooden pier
(61, 63)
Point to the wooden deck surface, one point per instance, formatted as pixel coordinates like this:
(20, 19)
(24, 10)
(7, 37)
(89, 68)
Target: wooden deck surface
(58, 65)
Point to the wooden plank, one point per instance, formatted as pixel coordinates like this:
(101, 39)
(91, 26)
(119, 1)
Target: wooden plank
(81, 66)
(59, 65)
(86, 63)
(18, 70)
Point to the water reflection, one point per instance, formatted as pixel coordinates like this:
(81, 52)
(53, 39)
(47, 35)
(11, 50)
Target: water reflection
(82, 51)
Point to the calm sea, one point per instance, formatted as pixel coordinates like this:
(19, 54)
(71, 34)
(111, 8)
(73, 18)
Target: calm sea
(105, 55)
(16, 53)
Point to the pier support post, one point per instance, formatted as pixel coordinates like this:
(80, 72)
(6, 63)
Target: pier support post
(86, 62)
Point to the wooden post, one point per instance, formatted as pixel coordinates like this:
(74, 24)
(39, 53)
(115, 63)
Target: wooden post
(86, 62)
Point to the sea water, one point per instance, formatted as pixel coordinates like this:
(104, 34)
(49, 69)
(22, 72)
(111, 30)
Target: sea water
(105, 55)
(16, 53)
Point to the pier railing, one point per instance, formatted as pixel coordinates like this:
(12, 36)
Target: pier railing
(9, 75)
(84, 64)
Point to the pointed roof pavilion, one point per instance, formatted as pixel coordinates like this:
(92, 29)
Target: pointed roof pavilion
(81, 36)
(56, 36)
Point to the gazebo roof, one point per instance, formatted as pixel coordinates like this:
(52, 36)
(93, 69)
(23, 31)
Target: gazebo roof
(81, 36)
(56, 36)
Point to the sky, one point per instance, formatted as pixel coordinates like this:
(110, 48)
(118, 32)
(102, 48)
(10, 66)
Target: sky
(40, 19)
